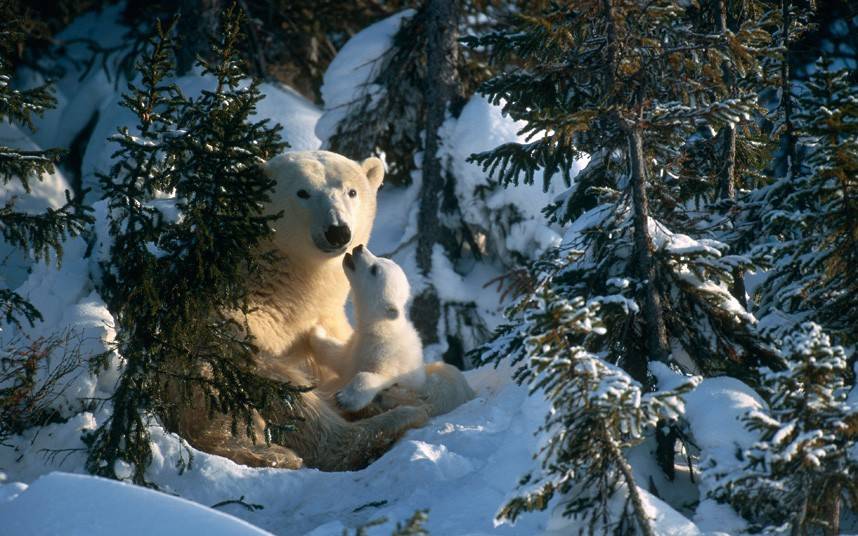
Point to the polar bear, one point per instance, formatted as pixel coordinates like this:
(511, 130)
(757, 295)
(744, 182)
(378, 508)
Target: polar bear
(384, 349)
(327, 204)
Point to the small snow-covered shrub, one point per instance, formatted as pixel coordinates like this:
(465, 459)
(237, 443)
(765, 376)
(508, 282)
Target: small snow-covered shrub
(805, 465)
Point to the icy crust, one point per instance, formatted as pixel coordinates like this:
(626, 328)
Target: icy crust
(62, 503)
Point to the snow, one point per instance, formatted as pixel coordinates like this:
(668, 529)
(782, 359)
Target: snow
(77, 505)
(482, 126)
(472, 456)
(49, 192)
(461, 466)
(281, 105)
(353, 69)
(714, 411)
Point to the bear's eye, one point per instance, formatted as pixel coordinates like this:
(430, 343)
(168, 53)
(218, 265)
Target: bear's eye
(352, 193)
(374, 270)
(303, 194)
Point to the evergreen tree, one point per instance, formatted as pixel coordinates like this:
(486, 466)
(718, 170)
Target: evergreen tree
(631, 85)
(597, 410)
(773, 151)
(292, 41)
(602, 78)
(719, 167)
(41, 234)
(178, 286)
(810, 217)
(804, 466)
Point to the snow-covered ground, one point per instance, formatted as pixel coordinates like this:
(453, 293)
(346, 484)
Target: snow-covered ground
(460, 466)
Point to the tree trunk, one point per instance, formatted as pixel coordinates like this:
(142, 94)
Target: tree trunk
(634, 494)
(786, 86)
(441, 58)
(831, 508)
(727, 135)
(656, 332)
(727, 176)
(727, 138)
(727, 189)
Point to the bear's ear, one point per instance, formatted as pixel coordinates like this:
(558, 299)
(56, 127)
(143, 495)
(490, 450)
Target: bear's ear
(391, 312)
(277, 166)
(374, 169)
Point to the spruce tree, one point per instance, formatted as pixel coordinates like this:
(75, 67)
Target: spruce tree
(719, 168)
(631, 85)
(178, 285)
(41, 234)
(803, 469)
(810, 217)
(615, 82)
(771, 152)
(597, 410)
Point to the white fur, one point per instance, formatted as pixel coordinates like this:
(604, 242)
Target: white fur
(385, 349)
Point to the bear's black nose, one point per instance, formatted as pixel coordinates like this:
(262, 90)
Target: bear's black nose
(338, 235)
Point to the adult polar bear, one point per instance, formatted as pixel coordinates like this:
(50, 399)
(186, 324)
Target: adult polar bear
(329, 204)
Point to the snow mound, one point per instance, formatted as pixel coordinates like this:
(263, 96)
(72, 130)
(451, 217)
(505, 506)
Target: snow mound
(62, 503)
(714, 411)
(472, 456)
(353, 69)
(48, 192)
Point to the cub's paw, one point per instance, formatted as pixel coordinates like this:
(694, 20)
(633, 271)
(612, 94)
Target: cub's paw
(351, 399)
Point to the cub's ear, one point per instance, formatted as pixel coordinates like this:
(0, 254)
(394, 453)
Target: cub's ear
(391, 312)
(374, 169)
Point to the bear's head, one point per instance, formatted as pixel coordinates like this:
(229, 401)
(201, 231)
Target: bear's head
(328, 202)
(379, 286)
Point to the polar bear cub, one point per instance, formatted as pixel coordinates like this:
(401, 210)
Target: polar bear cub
(384, 349)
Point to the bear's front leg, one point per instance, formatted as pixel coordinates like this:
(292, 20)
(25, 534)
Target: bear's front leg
(361, 390)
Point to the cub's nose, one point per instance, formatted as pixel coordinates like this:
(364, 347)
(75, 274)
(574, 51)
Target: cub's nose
(356, 251)
(338, 235)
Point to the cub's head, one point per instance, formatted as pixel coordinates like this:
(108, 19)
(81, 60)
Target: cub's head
(328, 202)
(379, 286)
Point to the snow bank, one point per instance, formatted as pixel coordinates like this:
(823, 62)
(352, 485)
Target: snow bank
(460, 466)
(353, 69)
(714, 411)
(281, 105)
(49, 192)
(61, 503)
(83, 81)
(482, 126)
